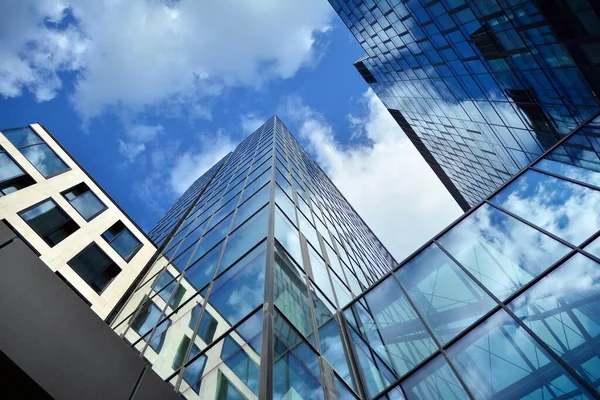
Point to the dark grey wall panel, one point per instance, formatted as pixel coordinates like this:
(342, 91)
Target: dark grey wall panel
(6, 233)
(56, 339)
(152, 387)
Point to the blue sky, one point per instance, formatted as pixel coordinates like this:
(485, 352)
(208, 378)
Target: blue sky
(146, 95)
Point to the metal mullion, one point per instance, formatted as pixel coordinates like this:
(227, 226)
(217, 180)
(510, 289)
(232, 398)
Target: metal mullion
(267, 340)
(355, 369)
(532, 225)
(534, 336)
(433, 336)
(566, 178)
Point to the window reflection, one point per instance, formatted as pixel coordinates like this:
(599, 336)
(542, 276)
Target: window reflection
(509, 364)
(36, 151)
(447, 298)
(287, 235)
(435, 380)
(332, 348)
(565, 209)
(500, 251)
(563, 309)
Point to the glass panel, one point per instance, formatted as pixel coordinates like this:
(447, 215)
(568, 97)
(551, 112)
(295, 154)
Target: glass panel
(240, 289)
(320, 274)
(309, 232)
(246, 236)
(22, 137)
(560, 207)
(50, 222)
(200, 273)
(447, 298)
(86, 204)
(570, 171)
(257, 184)
(286, 205)
(342, 293)
(435, 380)
(146, 319)
(323, 308)
(290, 293)
(594, 247)
(126, 244)
(332, 348)
(501, 252)
(393, 328)
(341, 391)
(251, 206)
(563, 309)
(44, 160)
(94, 267)
(8, 168)
(287, 235)
(510, 364)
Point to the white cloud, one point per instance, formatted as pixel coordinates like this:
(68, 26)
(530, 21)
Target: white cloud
(139, 54)
(386, 180)
(190, 165)
(137, 138)
(251, 122)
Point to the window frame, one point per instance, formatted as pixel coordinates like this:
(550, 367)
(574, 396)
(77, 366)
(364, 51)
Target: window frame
(24, 176)
(134, 252)
(64, 195)
(99, 293)
(51, 199)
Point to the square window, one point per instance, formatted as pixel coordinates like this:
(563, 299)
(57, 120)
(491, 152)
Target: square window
(87, 204)
(95, 267)
(49, 221)
(122, 240)
(12, 177)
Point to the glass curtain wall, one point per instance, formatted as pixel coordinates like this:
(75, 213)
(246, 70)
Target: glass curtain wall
(505, 303)
(244, 299)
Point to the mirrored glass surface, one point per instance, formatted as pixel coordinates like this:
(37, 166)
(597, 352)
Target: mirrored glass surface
(510, 364)
(434, 381)
(563, 208)
(500, 251)
(563, 309)
(446, 296)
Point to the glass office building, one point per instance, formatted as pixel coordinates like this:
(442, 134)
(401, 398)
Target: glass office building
(258, 258)
(481, 87)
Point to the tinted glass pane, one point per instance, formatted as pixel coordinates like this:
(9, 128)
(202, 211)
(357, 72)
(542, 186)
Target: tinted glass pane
(126, 244)
(146, 319)
(560, 207)
(594, 247)
(240, 289)
(251, 206)
(291, 294)
(287, 235)
(94, 267)
(87, 204)
(393, 329)
(332, 348)
(8, 168)
(510, 364)
(501, 252)
(563, 309)
(22, 137)
(50, 222)
(570, 171)
(200, 273)
(44, 160)
(435, 380)
(446, 296)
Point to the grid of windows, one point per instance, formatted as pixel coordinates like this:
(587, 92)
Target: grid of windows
(481, 87)
(503, 304)
(269, 227)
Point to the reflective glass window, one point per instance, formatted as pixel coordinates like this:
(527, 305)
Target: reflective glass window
(12, 177)
(509, 363)
(287, 235)
(332, 348)
(36, 151)
(563, 208)
(172, 293)
(320, 274)
(240, 289)
(393, 328)
(199, 274)
(49, 221)
(286, 205)
(500, 251)
(87, 204)
(563, 310)
(435, 381)
(291, 294)
(95, 267)
(146, 319)
(253, 204)
(122, 240)
(444, 294)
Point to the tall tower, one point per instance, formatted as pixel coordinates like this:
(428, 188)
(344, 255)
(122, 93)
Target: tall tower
(481, 87)
(257, 259)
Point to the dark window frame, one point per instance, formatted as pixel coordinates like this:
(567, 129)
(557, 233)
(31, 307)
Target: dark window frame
(26, 179)
(60, 209)
(100, 292)
(112, 239)
(43, 143)
(64, 195)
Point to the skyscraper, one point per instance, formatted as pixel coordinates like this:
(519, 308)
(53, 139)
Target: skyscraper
(257, 257)
(264, 287)
(481, 87)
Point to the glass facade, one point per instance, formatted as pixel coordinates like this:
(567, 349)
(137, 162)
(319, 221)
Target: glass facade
(504, 304)
(257, 260)
(481, 87)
